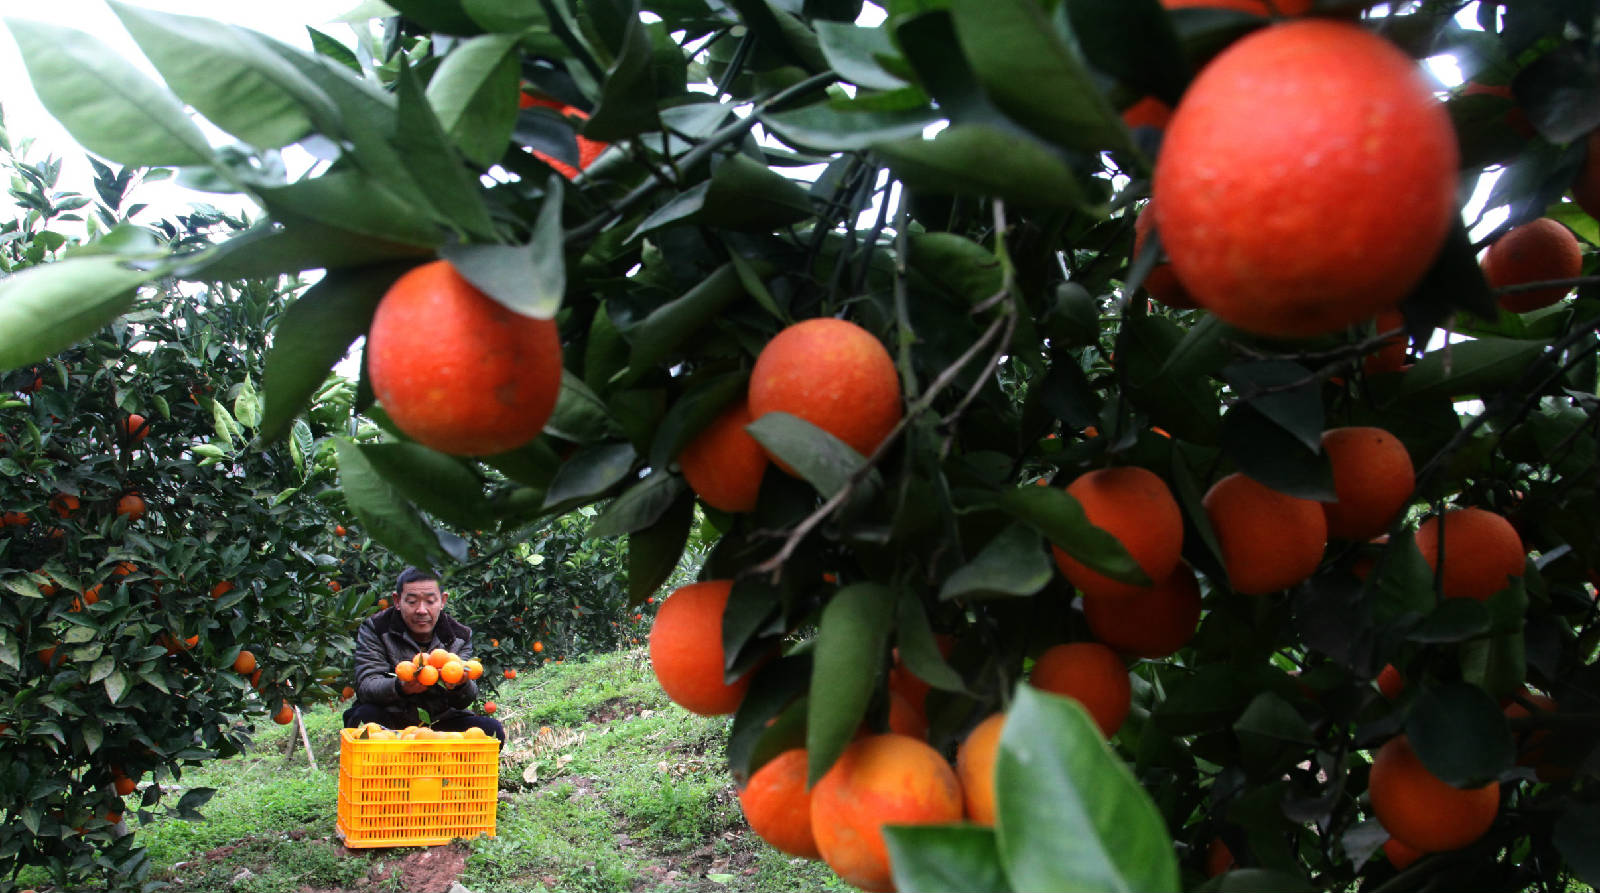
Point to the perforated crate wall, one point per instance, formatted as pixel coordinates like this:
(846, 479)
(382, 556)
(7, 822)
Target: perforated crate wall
(416, 793)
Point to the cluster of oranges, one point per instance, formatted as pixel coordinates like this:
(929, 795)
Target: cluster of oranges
(374, 732)
(437, 666)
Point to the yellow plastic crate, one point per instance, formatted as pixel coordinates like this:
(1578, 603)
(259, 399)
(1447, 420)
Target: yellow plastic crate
(416, 793)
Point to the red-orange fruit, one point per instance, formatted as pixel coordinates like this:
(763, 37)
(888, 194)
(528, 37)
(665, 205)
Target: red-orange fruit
(1391, 354)
(134, 428)
(724, 464)
(1390, 682)
(1269, 540)
(1161, 282)
(686, 649)
(1373, 479)
(1147, 112)
(132, 506)
(1533, 252)
(1481, 550)
(1423, 811)
(1135, 506)
(879, 780)
(1400, 855)
(975, 767)
(588, 149)
(1290, 127)
(1153, 622)
(777, 804)
(833, 374)
(905, 719)
(456, 370)
(1219, 857)
(1091, 674)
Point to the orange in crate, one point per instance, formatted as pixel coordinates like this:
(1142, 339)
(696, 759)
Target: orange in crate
(418, 792)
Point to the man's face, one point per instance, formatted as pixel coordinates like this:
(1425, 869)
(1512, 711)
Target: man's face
(420, 604)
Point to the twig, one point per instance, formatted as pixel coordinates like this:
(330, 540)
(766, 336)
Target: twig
(300, 723)
(1546, 283)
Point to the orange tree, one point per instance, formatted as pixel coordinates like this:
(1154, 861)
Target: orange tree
(963, 184)
(147, 545)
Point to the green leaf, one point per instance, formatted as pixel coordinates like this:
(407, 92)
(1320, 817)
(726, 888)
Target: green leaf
(1272, 456)
(93, 736)
(1056, 514)
(837, 127)
(956, 264)
(628, 95)
(1014, 563)
(1134, 42)
(640, 506)
(782, 33)
(447, 16)
(529, 279)
(1270, 717)
(474, 94)
(313, 334)
(1258, 880)
(247, 405)
(440, 485)
(590, 472)
(851, 640)
(1470, 368)
(853, 52)
(267, 250)
(329, 47)
(774, 688)
(659, 335)
(748, 196)
(1577, 838)
(1285, 393)
(1026, 70)
(50, 307)
(430, 158)
(580, 415)
(383, 511)
(108, 105)
(654, 552)
(919, 650)
(945, 859)
(1453, 620)
(351, 202)
(692, 412)
(224, 73)
(1187, 405)
(1460, 734)
(115, 684)
(822, 460)
(507, 16)
(1069, 814)
(983, 160)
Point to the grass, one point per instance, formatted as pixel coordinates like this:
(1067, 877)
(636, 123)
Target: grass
(605, 786)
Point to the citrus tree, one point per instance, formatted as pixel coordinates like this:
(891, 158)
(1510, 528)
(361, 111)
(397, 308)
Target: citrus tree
(875, 291)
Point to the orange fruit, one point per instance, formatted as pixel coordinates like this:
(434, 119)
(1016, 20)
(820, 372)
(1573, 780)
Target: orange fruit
(1161, 282)
(512, 674)
(221, 589)
(383, 604)
(458, 371)
(1091, 674)
(1532, 744)
(489, 707)
(474, 669)
(14, 519)
(64, 504)
(1390, 682)
(724, 464)
(1219, 858)
(405, 671)
(348, 693)
(438, 658)
(285, 714)
(905, 719)
(1481, 549)
(1538, 250)
(588, 149)
(1269, 540)
(778, 806)
(975, 768)
(245, 663)
(1421, 810)
(123, 784)
(1400, 855)
(428, 675)
(134, 428)
(1391, 354)
(686, 649)
(334, 585)
(1153, 622)
(538, 647)
(1586, 188)
(1134, 505)
(132, 505)
(908, 684)
(1243, 203)
(833, 374)
(879, 780)
(1147, 112)
(452, 671)
(1372, 477)
(338, 530)
(124, 568)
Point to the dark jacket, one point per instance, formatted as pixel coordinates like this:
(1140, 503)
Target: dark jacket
(383, 641)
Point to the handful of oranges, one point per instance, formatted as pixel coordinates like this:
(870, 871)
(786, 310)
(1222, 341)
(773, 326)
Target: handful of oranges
(375, 732)
(437, 666)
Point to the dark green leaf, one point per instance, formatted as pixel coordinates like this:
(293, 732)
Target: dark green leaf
(958, 265)
(384, 512)
(773, 688)
(781, 32)
(1577, 837)
(48, 308)
(853, 52)
(1269, 716)
(1134, 42)
(653, 552)
(1272, 456)
(919, 650)
(683, 207)
(441, 485)
(669, 326)
(108, 105)
(1460, 734)
(945, 859)
(590, 472)
(268, 250)
(691, 413)
(474, 93)
(1258, 880)
(1015, 563)
(748, 196)
(330, 48)
(312, 335)
(1561, 92)
(1069, 814)
(529, 279)
(580, 415)
(228, 76)
(1185, 405)
(628, 96)
(640, 506)
(834, 127)
(981, 160)
(1056, 514)
(852, 638)
(354, 203)
(1284, 392)
(431, 159)
(1454, 620)
(1469, 368)
(507, 16)
(824, 461)
(447, 16)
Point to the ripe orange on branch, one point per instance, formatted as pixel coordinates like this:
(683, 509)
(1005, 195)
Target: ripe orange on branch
(1134, 505)
(975, 767)
(1535, 251)
(1153, 622)
(1481, 550)
(686, 649)
(1306, 181)
(1091, 674)
(1372, 477)
(778, 806)
(724, 464)
(835, 375)
(1420, 809)
(456, 370)
(1269, 540)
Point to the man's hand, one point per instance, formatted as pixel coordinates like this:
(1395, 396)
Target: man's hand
(413, 687)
